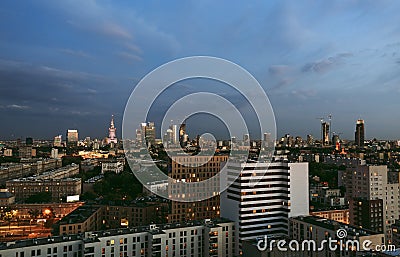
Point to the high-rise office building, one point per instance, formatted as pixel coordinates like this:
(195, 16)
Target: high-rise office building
(360, 133)
(263, 196)
(191, 169)
(57, 141)
(325, 133)
(182, 135)
(175, 134)
(146, 134)
(366, 184)
(310, 140)
(112, 132)
(72, 138)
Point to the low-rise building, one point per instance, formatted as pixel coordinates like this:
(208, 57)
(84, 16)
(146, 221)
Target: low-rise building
(318, 229)
(339, 215)
(115, 166)
(89, 218)
(209, 238)
(6, 198)
(59, 189)
(195, 238)
(84, 218)
(61, 246)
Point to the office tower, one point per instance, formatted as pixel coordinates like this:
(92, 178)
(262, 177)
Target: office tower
(28, 141)
(360, 133)
(175, 134)
(112, 132)
(149, 133)
(263, 196)
(189, 169)
(246, 138)
(325, 133)
(139, 137)
(335, 139)
(57, 141)
(267, 140)
(310, 140)
(182, 135)
(365, 185)
(72, 138)
(143, 131)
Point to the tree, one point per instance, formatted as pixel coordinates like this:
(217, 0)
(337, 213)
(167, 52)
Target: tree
(41, 197)
(7, 214)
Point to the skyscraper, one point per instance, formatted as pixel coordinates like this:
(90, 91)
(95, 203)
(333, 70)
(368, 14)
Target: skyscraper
(263, 196)
(325, 133)
(359, 134)
(72, 138)
(182, 133)
(111, 132)
(175, 134)
(367, 184)
(150, 133)
(57, 141)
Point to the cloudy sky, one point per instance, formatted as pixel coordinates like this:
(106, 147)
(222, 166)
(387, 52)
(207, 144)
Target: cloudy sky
(71, 64)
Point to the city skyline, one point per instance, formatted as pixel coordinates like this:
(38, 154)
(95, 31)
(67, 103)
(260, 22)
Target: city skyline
(72, 69)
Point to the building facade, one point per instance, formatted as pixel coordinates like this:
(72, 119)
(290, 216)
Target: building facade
(360, 133)
(209, 238)
(367, 184)
(263, 196)
(192, 169)
(59, 189)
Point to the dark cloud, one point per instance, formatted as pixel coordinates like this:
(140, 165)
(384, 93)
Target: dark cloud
(278, 69)
(26, 86)
(324, 65)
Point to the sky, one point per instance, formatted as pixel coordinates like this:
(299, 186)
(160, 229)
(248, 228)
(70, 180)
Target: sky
(72, 64)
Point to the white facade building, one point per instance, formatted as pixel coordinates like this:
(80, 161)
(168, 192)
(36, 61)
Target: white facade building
(116, 167)
(206, 239)
(263, 196)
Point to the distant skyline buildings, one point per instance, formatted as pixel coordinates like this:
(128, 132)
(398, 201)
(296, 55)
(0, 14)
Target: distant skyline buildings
(72, 137)
(112, 137)
(50, 84)
(360, 133)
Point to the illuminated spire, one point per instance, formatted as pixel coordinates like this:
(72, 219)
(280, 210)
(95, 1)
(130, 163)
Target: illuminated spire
(111, 132)
(112, 121)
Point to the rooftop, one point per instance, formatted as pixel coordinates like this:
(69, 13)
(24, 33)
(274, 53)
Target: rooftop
(39, 241)
(334, 225)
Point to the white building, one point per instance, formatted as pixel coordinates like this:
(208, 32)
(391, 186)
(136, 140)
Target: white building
(206, 239)
(61, 246)
(263, 196)
(116, 167)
